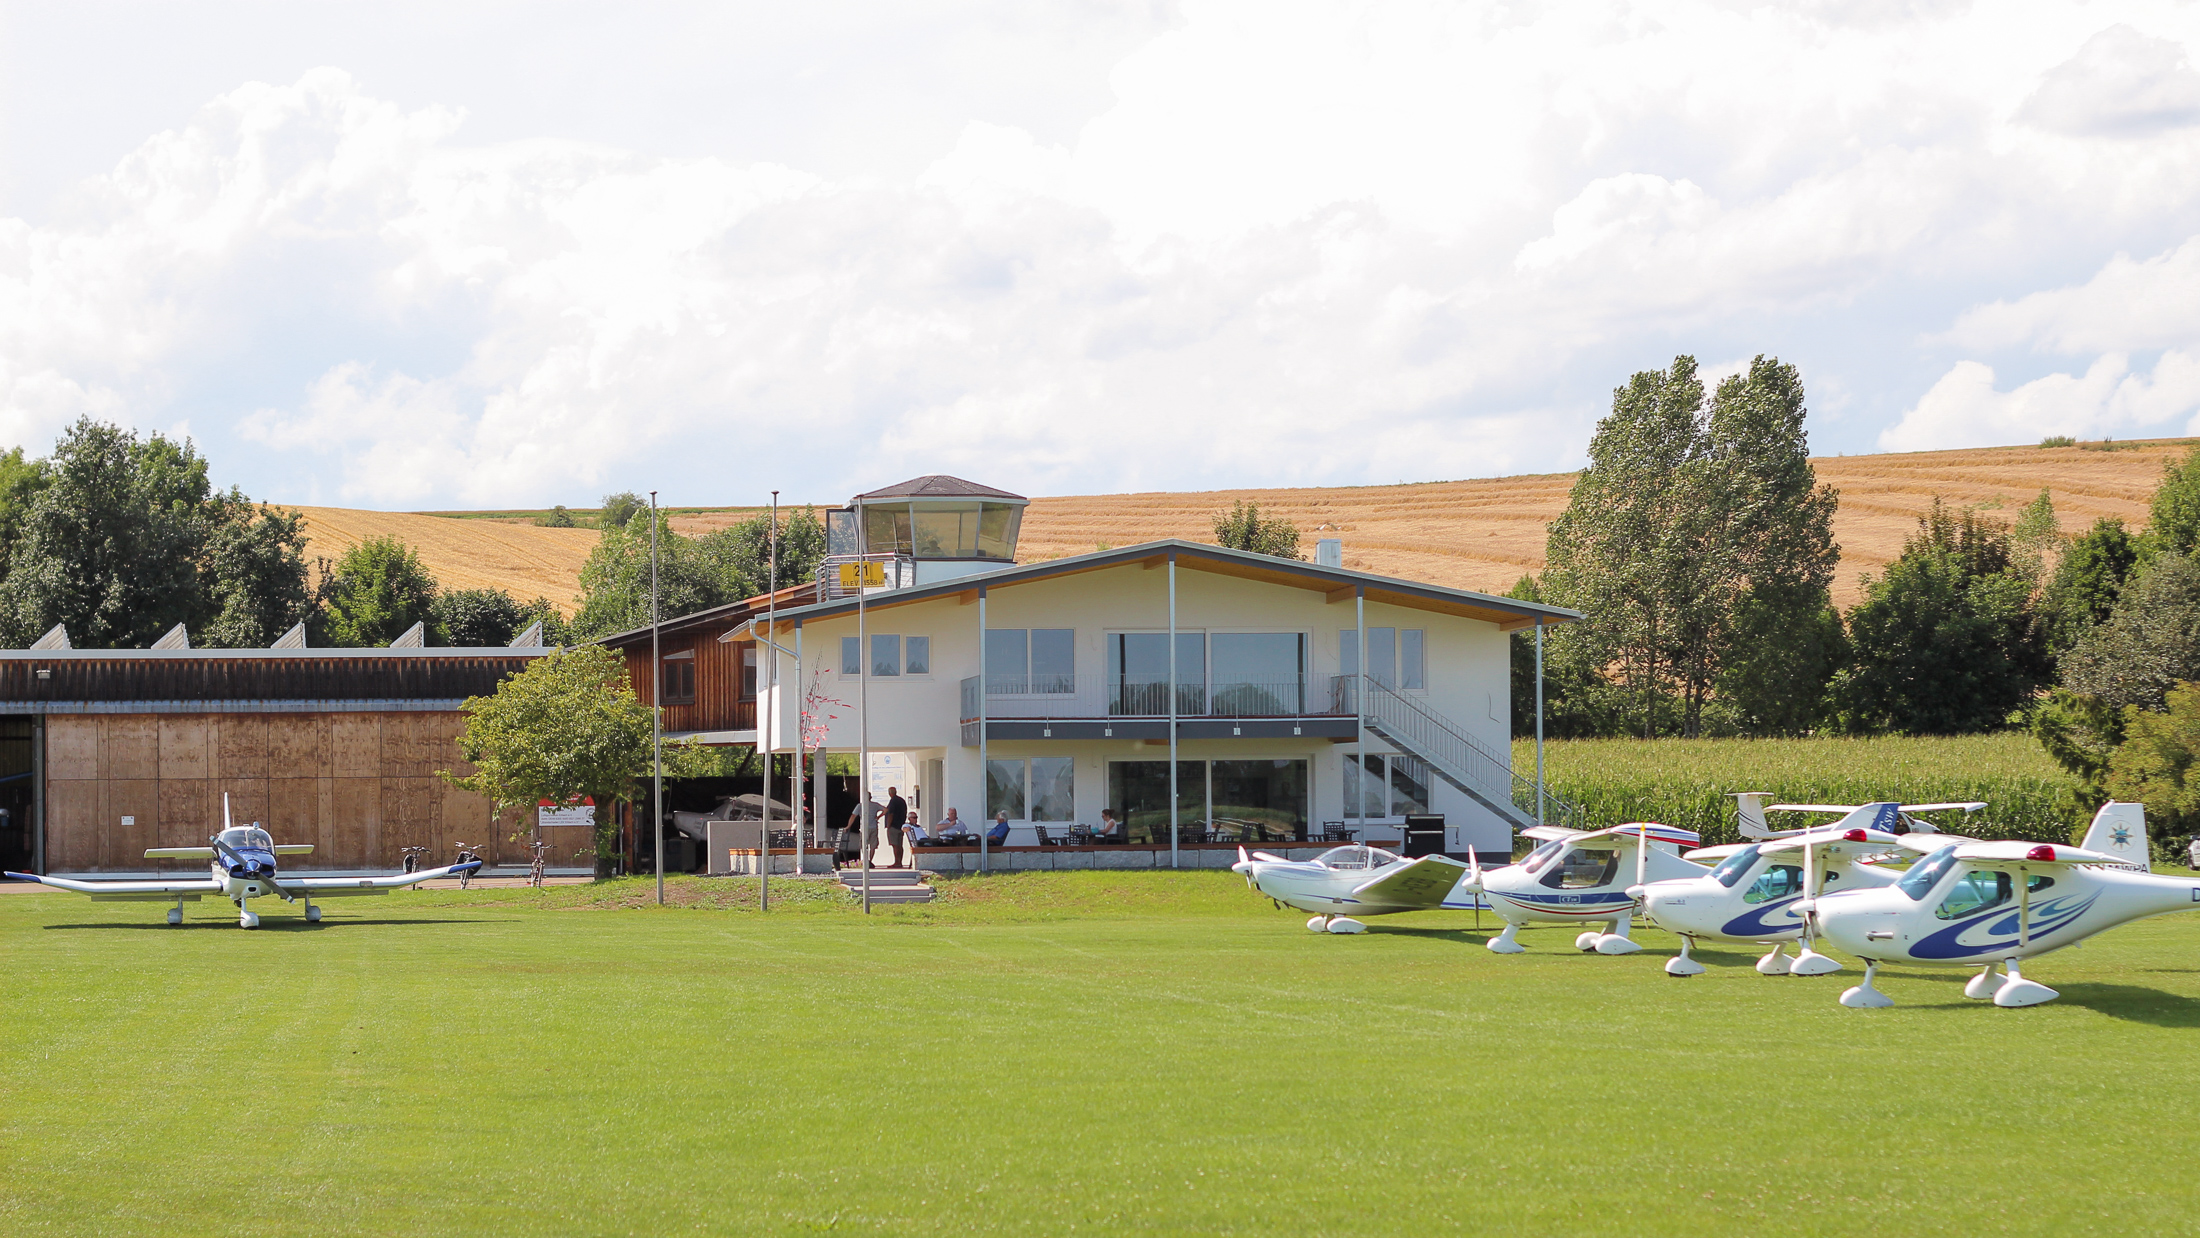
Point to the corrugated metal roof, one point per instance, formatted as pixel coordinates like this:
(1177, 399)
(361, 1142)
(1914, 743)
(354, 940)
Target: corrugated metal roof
(206, 675)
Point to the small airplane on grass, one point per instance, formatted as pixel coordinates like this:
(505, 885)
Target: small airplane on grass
(1344, 883)
(1989, 904)
(1582, 877)
(243, 867)
(1751, 893)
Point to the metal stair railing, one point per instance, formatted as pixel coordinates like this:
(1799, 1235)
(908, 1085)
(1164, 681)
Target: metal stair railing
(1458, 758)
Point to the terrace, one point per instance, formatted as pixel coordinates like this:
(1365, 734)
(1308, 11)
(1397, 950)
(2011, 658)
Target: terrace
(1119, 707)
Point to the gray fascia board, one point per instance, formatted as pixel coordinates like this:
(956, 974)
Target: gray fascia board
(299, 655)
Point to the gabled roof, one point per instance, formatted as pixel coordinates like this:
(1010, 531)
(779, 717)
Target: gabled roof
(939, 486)
(1339, 583)
(717, 616)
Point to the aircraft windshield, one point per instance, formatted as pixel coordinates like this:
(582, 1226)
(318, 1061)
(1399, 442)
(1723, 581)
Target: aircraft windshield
(1583, 868)
(1357, 857)
(1779, 881)
(1542, 855)
(247, 836)
(1923, 875)
(1731, 868)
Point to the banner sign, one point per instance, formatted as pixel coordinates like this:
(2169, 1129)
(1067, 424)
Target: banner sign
(583, 813)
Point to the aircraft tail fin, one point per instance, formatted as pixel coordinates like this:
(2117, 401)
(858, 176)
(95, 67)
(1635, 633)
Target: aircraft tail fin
(1885, 816)
(225, 810)
(2120, 830)
(1750, 806)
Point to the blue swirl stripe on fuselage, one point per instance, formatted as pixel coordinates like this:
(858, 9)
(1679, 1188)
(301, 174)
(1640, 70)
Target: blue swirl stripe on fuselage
(1752, 926)
(2047, 917)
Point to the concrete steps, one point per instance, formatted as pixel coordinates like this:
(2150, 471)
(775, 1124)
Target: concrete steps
(888, 885)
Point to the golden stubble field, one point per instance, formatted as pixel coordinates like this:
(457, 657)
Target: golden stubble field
(1475, 534)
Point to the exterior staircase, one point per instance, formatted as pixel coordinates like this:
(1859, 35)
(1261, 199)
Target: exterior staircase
(1456, 757)
(888, 885)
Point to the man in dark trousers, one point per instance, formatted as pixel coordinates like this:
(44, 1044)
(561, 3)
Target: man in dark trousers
(897, 816)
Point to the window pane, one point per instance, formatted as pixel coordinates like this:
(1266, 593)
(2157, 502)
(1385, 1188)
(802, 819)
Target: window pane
(1053, 789)
(1258, 672)
(1004, 789)
(1263, 800)
(748, 672)
(1007, 661)
(885, 655)
(1408, 786)
(1139, 793)
(1382, 656)
(851, 656)
(1412, 669)
(918, 659)
(1363, 796)
(997, 530)
(840, 532)
(887, 529)
(1053, 660)
(1348, 652)
(946, 533)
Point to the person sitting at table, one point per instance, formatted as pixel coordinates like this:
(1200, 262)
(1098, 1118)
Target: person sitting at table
(998, 835)
(952, 827)
(918, 835)
(1109, 830)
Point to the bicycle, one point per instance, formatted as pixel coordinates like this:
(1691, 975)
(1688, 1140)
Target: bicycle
(467, 853)
(534, 866)
(412, 857)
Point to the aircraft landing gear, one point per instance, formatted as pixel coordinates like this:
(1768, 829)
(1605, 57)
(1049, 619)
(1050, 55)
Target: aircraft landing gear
(1984, 985)
(175, 913)
(1617, 941)
(1683, 965)
(246, 917)
(1507, 942)
(1775, 963)
(1586, 942)
(1864, 996)
(1319, 924)
(313, 913)
(1335, 924)
(2017, 991)
(1808, 962)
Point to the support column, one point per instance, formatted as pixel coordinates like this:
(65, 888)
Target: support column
(1359, 716)
(1173, 823)
(985, 770)
(1539, 719)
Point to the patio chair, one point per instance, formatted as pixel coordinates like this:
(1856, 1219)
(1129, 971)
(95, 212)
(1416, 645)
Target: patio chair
(1044, 840)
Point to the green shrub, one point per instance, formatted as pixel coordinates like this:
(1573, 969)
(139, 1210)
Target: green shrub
(2058, 440)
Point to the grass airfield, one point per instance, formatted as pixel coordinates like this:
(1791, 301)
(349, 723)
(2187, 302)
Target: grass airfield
(1047, 1054)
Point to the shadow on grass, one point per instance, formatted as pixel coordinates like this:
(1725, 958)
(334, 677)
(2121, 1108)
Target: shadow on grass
(2134, 1004)
(266, 926)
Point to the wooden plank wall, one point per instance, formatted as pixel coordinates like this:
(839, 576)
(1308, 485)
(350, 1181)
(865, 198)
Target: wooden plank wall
(719, 705)
(358, 786)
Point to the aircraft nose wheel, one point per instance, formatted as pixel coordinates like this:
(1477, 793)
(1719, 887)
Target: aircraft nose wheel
(175, 915)
(248, 919)
(313, 914)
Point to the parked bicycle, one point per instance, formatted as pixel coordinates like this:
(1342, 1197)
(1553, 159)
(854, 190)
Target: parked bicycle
(412, 857)
(467, 853)
(534, 865)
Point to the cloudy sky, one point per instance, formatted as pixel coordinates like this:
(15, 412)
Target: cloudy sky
(417, 255)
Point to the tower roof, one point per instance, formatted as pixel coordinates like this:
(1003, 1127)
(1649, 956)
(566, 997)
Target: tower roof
(938, 486)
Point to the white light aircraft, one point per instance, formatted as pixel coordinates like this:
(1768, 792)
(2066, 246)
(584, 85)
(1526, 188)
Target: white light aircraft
(243, 867)
(1344, 883)
(1989, 904)
(1582, 877)
(1751, 893)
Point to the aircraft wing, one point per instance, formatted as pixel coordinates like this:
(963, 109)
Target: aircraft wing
(150, 891)
(1610, 837)
(338, 887)
(1929, 843)
(1965, 805)
(1841, 808)
(179, 853)
(1416, 883)
(1706, 855)
(1548, 833)
(2013, 850)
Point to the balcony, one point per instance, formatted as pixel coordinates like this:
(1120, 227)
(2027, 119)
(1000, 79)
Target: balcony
(1108, 707)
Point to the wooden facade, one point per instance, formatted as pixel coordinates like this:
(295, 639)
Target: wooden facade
(358, 786)
(710, 683)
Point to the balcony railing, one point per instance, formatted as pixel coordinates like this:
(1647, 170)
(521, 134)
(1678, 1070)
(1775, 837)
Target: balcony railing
(843, 576)
(1095, 696)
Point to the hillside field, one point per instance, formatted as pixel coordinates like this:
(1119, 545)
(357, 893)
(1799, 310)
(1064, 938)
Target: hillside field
(1048, 1054)
(1476, 534)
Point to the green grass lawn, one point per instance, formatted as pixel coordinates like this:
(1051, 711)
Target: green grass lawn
(1047, 1054)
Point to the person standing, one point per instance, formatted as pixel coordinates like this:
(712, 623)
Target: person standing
(897, 816)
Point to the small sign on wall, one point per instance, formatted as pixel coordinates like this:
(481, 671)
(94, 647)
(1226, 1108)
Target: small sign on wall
(548, 814)
(129, 820)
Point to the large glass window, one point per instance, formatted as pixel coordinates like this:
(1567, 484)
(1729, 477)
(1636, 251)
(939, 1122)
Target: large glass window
(1395, 657)
(1408, 786)
(1139, 793)
(1385, 786)
(1004, 790)
(748, 673)
(1258, 673)
(1138, 673)
(1977, 890)
(1581, 869)
(1260, 799)
(851, 656)
(945, 531)
(1412, 658)
(1020, 661)
(917, 658)
(997, 525)
(840, 532)
(679, 677)
(886, 529)
(1778, 881)
(1053, 789)
(1364, 787)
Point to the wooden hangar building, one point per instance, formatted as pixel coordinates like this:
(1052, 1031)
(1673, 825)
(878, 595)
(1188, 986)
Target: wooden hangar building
(106, 752)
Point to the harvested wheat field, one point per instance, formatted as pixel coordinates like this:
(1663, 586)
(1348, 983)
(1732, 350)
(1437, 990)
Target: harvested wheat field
(1482, 534)
(1477, 534)
(522, 560)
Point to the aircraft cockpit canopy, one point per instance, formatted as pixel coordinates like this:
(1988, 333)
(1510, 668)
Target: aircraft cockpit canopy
(243, 836)
(1731, 868)
(1356, 857)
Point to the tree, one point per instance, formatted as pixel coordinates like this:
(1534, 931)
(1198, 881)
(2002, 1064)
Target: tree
(617, 509)
(2081, 733)
(2173, 521)
(2154, 763)
(1242, 528)
(475, 618)
(2036, 540)
(558, 518)
(615, 579)
(2150, 641)
(1945, 643)
(568, 727)
(123, 538)
(2087, 581)
(20, 481)
(378, 591)
(744, 550)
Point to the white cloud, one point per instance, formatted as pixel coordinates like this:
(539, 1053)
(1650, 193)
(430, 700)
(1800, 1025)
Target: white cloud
(1304, 243)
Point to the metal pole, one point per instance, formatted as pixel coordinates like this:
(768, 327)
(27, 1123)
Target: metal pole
(1359, 717)
(771, 737)
(656, 713)
(863, 707)
(1172, 710)
(1539, 719)
(985, 767)
(794, 772)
